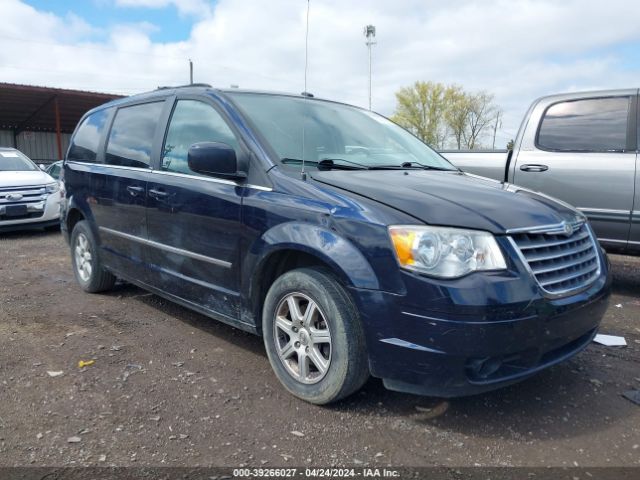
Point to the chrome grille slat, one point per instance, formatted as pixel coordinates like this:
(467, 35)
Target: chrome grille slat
(577, 273)
(28, 195)
(560, 264)
(558, 253)
(551, 243)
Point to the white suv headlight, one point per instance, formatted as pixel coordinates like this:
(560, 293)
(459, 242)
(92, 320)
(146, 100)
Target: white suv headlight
(445, 252)
(52, 187)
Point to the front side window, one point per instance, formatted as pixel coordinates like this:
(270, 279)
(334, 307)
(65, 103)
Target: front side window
(192, 122)
(132, 133)
(597, 124)
(84, 145)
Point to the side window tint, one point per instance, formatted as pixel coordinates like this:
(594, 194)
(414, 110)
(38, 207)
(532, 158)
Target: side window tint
(131, 136)
(84, 147)
(193, 122)
(598, 124)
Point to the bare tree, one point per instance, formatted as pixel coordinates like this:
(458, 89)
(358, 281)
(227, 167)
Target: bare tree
(482, 113)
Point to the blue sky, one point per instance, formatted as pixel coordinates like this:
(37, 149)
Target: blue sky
(171, 25)
(517, 50)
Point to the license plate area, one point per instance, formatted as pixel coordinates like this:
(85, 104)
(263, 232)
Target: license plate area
(15, 211)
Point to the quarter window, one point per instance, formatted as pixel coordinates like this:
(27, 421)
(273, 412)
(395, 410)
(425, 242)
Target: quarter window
(193, 122)
(131, 136)
(598, 124)
(84, 146)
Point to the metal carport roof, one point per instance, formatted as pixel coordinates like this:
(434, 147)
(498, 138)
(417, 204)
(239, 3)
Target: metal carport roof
(45, 109)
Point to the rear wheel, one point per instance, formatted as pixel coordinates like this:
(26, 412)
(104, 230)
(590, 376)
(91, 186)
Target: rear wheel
(313, 336)
(85, 258)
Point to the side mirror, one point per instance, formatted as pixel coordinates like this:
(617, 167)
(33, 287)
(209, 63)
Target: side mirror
(42, 166)
(214, 159)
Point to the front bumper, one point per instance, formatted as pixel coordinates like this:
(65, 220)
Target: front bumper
(475, 334)
(41, 214)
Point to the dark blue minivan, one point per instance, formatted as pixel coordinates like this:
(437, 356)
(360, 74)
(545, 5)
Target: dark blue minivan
(348, 244)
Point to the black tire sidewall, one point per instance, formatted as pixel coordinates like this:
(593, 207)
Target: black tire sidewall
(339, 314)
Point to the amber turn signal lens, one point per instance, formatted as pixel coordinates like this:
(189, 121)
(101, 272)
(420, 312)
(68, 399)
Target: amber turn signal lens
(403, 243)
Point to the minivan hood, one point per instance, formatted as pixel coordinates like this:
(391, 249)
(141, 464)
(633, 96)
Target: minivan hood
(24, 179)
(452, 198)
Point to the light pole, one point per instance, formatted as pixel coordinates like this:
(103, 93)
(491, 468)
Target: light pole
(370, 33)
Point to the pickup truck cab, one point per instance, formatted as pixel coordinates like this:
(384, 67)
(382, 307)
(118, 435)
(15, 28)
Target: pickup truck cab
(348, 244)
(580, 148)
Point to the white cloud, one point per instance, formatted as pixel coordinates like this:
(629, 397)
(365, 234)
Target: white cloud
(518, 50)
(186, 7)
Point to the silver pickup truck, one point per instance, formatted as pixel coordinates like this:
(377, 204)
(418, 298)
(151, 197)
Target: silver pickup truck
(581, 148)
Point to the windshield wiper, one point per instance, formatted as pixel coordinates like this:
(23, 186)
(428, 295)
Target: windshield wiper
(426, 167)
(327, 163)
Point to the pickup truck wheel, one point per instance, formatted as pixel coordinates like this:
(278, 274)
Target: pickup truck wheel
(85, 258)
(313, 336)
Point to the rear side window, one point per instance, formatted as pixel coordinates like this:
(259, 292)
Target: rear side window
(131, 137)
(192, 122)
(598, 124)
(84, 146)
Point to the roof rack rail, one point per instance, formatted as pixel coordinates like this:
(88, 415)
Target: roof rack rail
(169, 87)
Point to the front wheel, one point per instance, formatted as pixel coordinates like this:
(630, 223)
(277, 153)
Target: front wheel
(313, 336)
(87, 267)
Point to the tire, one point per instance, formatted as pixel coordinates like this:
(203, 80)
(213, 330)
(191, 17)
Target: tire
(308, 365)
(85, 259)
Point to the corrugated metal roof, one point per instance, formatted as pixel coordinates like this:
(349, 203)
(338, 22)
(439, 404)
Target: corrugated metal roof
(29, 107)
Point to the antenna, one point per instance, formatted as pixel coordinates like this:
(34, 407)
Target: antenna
(190, 72)
(306, 64)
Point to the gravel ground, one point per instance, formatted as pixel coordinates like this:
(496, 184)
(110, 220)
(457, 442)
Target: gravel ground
(171, 387)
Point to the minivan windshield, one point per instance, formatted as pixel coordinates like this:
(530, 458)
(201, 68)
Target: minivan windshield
(335, 135)
(14, 161)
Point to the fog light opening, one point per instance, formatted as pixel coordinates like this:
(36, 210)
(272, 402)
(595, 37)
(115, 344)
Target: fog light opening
(484, 367)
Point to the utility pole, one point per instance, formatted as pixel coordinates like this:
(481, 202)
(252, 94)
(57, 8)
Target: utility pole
(190, 72)
(370, 33)
(495, 130)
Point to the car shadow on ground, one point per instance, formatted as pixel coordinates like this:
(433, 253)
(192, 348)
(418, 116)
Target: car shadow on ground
(560, 402)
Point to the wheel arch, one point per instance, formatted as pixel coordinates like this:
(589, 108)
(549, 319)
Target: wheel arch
(296, 245)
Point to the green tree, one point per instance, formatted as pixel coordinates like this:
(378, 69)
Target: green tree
(421, 110)
(441, 114)
(457, 113)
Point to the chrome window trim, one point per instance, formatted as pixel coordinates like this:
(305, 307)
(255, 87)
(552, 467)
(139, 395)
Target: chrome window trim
(108, 165)
(562, 293)
(168, 248)
(212, 179)
(176, 174)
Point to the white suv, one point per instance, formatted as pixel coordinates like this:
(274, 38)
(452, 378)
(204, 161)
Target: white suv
(29, 198)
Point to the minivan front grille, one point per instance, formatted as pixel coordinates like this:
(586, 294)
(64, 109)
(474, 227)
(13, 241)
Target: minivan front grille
(562, 263)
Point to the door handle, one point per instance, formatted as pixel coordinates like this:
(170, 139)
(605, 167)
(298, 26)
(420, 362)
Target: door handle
(534, 168)
(135, 190)
(158, 194)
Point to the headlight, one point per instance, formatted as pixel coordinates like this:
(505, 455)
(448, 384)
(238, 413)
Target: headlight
(445, 252)
(52, 187)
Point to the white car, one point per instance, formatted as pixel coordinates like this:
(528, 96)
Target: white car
(29, 198)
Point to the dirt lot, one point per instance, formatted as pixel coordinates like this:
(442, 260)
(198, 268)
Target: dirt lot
(171, 387)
